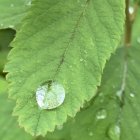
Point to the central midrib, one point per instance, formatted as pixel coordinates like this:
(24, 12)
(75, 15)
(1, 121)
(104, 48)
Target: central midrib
(70, 40)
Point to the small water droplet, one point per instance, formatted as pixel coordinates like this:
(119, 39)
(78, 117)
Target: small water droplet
(119, 94)
(19, 81)
(138, 39)
(131, 10)
(85, 51)
(114, 132)
(101, 114)
(132, 95)
(11, 5)
(70, 66)
(60, 127)
(114, 86)
(50, 95)
(101, 100)
(101, 94)
(91, 134)
(1, 24)
(28, 2)
(11, 26)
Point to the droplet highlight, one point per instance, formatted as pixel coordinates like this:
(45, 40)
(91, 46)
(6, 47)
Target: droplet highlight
(138, 40)
(11, 26)
(50, 95)
(90, 134)
(11, 5)
(131, 10)
(1, 24)
(101, 114)
(114, 132)
(132, 95)
(59, 127)
(81, 59)
(119, 94)
(28, 3)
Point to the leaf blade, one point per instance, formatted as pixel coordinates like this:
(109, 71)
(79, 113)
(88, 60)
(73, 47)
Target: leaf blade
(68, 34)
(12, 12)
(9, 127)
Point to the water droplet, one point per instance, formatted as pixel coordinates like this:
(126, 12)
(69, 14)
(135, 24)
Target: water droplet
(11, 26)
(132, 95)
(119, 94)
(70, 66)
(101, 114)
(28, 2)
(101, 100)
(114, 86)
(11, 5)
(1, 24)
(60, 127)
(50, 95)
(91, 134)
(19, 81)
(101, 94)
(114, 132)
(131, 10)
(138, 39)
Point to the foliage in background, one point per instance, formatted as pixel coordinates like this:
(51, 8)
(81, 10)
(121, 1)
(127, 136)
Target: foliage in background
(112, 114)
(6, 37)
(9, 126)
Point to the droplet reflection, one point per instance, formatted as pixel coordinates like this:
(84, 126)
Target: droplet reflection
(50, 95)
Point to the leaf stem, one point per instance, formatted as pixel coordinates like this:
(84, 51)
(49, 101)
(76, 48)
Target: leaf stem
(130, 17)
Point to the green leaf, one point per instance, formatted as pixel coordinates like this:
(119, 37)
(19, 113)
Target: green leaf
(64, 41)
(108, 111)
(12, 12)
(3, 55)
(9, 127)
(121, 106)
(61, 132)
(3, 85)
(119, 98)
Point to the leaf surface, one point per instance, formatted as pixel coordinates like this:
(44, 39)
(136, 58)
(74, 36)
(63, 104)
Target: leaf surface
(12, 12)
(98, 118)
(119, 98)
(9, 127)
(67, 42)
(120, 118)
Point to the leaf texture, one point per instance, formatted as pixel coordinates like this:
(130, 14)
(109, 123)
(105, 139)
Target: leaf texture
(121, 109)
(12, 12)
(64, 41)
(121, 119)
(9, 127)
(111, 107)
